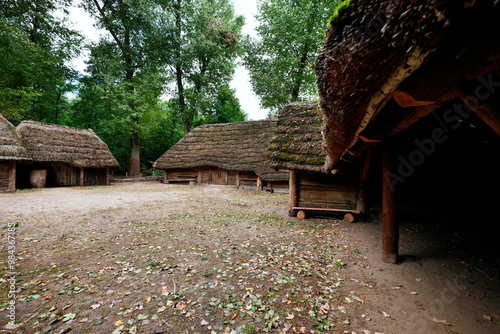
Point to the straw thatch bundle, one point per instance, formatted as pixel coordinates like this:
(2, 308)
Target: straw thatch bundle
(56, 143)
(298, 140)
(11, 147)
(237, 146)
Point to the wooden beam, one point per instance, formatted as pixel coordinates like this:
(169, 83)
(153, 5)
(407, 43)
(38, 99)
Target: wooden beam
(405, 100)
(199, 175)
(293, 196)
(82, 176)
(486, 112)
(12, 177)
(107, 176)
(238, 181)
(390, 228)
(362, 183)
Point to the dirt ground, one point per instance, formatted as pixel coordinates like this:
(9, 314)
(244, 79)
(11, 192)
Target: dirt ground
(155, 258)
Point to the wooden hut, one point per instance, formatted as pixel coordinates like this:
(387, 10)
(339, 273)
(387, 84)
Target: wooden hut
(64, 156)
(224, 154)
(409, 75)
(298, 147)
(12, 151)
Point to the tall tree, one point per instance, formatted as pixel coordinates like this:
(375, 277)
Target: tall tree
(206, 36)
(279, 61)
(37, 51)
(127, 63)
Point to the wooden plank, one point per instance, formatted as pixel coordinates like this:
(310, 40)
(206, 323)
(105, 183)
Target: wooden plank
(82, 176)
(238, 181)
(325, 209)
(328, 195)
(293, 195)
(390, 227)
(362, 182)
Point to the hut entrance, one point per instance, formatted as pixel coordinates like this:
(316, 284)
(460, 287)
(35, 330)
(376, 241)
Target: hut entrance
(219, 176)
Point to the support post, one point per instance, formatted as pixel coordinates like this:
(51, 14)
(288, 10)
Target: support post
(82, 176)
(199, 176)
(165, 176)
(362, 183)
(293, 197)
(12, 177)
(107, 176)
(259, 183)
(390, 228)
(238, 181)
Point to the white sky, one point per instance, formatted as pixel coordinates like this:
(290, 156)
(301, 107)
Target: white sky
(247, 8)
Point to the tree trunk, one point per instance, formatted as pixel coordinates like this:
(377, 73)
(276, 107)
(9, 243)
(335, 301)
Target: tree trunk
(135, 166)
(186, 123)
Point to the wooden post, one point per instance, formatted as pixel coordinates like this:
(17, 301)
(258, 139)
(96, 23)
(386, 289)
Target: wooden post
(12, 177)
(259, 183)
(270, 186)
(165, 176)
(390, 228)
(362, 183)
(199, 175)
(82, 176)
(238, 182)
(293, 197)
(107, 176)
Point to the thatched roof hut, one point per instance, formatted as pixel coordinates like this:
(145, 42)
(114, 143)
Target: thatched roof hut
(298, 140)
(56, 143)
(385, 64)
(12, 151)
(239, 146)
(11, 146)
(407, 74)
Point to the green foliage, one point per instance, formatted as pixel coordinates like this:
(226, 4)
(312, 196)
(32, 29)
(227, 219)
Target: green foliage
(280, 60)
(35, 45)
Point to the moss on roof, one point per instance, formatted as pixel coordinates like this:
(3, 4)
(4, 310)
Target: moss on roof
(56, 143)
(298, 140)
(11, 146)
(234, 146)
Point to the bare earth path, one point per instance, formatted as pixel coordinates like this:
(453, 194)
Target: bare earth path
(154, 258)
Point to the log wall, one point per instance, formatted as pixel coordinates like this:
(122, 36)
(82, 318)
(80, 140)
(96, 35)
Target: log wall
(4, 176)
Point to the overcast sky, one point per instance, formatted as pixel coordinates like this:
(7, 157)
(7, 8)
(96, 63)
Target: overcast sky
(248, 100)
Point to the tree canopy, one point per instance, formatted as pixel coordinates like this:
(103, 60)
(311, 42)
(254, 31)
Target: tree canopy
(280, 59)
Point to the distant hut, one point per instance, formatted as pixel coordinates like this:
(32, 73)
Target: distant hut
(12, 151)
(409, 75)
(298, 147)
(224, 154)
(64, 156)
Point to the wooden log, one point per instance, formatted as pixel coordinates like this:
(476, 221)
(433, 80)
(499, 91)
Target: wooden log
(301, 214)
(390, 228)
(349, 218)
(199, 176)
(82, 176)
(12, 177)
(405, 100)
(293, 192)
(107, 176)
(238, 182)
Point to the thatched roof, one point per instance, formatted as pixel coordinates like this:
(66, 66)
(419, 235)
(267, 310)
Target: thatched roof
(298, 140)
(56, 143)
(234, 146)
(420, 49)
(11, 147)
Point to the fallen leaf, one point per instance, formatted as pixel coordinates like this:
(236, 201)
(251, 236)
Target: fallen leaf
(95, 306)
(68, 316)
(118, 323)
